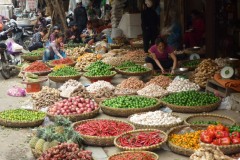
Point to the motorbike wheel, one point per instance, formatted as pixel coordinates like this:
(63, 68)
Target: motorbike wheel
(26, 42)
(6, 71)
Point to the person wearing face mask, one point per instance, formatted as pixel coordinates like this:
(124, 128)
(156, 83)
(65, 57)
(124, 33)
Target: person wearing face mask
(55, 50)
(159, 57)
(149, 24)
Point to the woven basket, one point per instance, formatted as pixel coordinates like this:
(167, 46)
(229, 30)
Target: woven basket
(125, 112)
(77, 117)
(160, 127)
(8, 123)
(227, 149)
(69, 64)
(42, 73)
(154, 155)
(147, 148)
(192, 109)
(99, 141)
(180, 150)
(98, 100)
(210, 117)
(133, 73)
(31, 58)
(100, 77)
(62, 79)
(134, 45)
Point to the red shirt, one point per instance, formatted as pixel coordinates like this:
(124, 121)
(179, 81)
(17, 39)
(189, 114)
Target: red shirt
(161, 56)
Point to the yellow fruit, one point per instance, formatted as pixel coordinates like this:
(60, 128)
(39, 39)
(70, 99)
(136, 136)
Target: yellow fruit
(33, 141)
(46, 146)
(39, 145)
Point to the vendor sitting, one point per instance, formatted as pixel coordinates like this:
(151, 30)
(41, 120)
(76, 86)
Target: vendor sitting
(36, 41)
(55, 50)
(88, 34)
(72, 34)
(159, 57)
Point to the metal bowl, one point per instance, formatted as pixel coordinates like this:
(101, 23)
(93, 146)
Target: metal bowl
(180, 70)
(233, 61)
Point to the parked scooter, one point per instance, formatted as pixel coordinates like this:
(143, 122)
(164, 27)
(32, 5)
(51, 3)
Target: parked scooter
(8, 60)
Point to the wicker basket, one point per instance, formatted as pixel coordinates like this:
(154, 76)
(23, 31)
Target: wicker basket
(210, 117)
(42, 73)
(99, 141)
(69, 64)
(133, 73)
(160, 127)
(100, 77)
(192, 109)
(8, 123)
(136, 45)
(31, 58)
(147, 148)
(227, 149)
(178, 149)
(77, 117)
(154, 155)
(62, 79)
(125, 112)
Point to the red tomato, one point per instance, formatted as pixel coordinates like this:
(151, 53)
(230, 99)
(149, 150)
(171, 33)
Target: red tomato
(235, 134)
(225, 141)
(220, 127)
(211, 132)
(236, 140)
(205, 137)
(219, 134)
(216, 141)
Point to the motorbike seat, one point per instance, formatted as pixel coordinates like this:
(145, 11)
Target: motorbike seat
(3, 46)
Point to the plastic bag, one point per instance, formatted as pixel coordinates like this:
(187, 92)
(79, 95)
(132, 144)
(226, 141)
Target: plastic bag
(16, 92)
(13, 46)
(225, 104)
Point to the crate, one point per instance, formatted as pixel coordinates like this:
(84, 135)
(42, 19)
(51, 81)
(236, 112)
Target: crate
(216, 88)
(235, 101)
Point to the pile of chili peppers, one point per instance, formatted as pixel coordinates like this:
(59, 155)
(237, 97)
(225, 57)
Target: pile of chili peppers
(103, 128)
(62, 61)
(141, 139)
(37, 67)
(133, 156)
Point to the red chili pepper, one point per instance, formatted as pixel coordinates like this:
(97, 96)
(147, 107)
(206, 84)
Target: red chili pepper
(37, 67)
(62, 61)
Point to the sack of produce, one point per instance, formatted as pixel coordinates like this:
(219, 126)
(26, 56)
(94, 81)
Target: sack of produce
(16, 92)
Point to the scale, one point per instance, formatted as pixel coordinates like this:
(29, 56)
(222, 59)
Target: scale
(230, 71)
(194, 56)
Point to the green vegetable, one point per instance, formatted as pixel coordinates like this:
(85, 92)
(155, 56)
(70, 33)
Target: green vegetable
(234, 128)
(192, 63)
(65, 71)
(130, 102)
(22, 115)
(206, 122)
(126, 64)
(191, 98)
(137, 68)
(99, 65)
(33, 54)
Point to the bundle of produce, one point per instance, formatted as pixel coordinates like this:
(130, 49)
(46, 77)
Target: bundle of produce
(66, 151)
(209, 152)
(205, 71)
(75, 52)
(94, 87)
(132, 83)
(98, 65)
(191, 63)
(191, 98)
(140, 138)
(30, 77)
(129, 102)
(72, 106)
(162, 81)
(134, 155)
(37, 66)
(181, 84)
(16, 117)
(65, 71)
(62, 61)
(86, 59)
(155, 118)
(103, 128)
(152, 90)
(219, 135)
(104, 93)
(187, 140)
(46, 97)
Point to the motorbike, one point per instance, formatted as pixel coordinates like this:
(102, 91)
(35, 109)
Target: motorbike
(8, 60)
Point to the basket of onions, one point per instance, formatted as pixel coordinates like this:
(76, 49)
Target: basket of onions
(75, 108)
